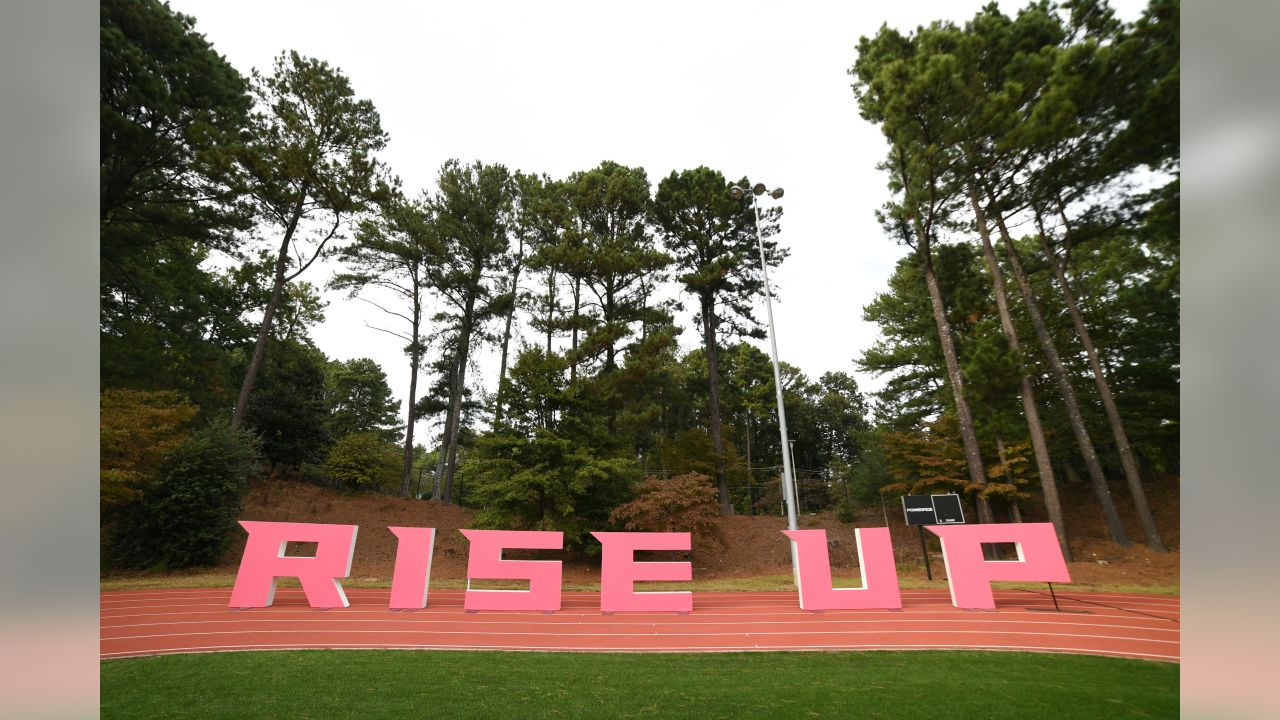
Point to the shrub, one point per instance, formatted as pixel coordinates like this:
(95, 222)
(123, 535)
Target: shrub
(684, 503)
(845, 510)
(136, 430)
(545, 482)
(186, 516)
(365, 461)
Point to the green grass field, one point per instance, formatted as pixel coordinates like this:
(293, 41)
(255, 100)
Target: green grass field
(418, 684)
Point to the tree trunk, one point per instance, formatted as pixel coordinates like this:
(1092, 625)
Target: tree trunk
(455, 399)
(977, 476)
(1136, 488)
(551, 305)
(264, 329)
(1015, 512)
(1040, 448)
(506, 339)
(751, 477)
(577, 307)
(1115, 528)
(415, 357)
(713, 389)
(437, 483)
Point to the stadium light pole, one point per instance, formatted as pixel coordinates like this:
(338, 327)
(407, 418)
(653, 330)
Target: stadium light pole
(788, 476)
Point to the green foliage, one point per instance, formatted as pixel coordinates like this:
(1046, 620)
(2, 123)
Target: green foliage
(682, 503)
(311, 151)
(171, 113)
(364, 461)
(910, 351)
(610, 248)
(712, 240)
(360, 400)
(137, 429)
(288, 408)
(186, 516)
(546, 482)
(928, 462)
(171, 110)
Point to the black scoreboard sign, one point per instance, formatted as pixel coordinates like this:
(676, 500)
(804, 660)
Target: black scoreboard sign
(933, 509)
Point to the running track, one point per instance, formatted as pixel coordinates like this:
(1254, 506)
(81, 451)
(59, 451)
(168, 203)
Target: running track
(155, 622)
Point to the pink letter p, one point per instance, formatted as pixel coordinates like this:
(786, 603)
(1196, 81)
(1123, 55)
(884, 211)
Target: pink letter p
(970, 576)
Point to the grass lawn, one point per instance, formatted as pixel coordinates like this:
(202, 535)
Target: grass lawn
(426, 684)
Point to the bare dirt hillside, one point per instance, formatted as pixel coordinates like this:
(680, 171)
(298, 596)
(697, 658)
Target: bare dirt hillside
(754, 546)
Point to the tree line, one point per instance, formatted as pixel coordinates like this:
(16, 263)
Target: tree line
(1053, 136)
(224, 198)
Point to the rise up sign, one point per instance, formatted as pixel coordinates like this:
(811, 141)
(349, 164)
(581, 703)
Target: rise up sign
(969, 574)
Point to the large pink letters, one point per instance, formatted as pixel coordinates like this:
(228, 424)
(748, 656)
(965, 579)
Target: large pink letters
(264, 561)
(970, 576)
(619, 571)
(413, 567)
(484, 562)
(879, 576)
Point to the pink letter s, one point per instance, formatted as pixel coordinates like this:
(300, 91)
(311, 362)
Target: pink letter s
(484, 562)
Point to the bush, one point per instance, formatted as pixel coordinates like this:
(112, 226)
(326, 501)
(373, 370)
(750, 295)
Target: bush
(546, 482)
(186, 516)
(365, 461)
(845, 511)
(684, 503)
(137, 429)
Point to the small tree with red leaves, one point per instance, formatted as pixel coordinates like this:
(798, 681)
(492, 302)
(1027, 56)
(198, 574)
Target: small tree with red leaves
(684, 503)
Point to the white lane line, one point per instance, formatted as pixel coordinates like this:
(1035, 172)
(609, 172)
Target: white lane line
(484, 623)
(659, 635)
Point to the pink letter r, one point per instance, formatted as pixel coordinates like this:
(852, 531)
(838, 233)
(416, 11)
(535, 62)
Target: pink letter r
(264, 561)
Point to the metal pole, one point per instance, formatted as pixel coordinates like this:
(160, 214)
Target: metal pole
(788, 479)
(924, 550)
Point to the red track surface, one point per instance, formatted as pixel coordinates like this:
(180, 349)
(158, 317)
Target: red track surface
(154, 622)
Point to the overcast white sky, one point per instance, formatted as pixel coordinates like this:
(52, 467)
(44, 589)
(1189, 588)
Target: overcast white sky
(748, 88)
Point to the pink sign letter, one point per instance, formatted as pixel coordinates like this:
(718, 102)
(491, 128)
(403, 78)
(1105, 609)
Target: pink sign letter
(484, 562)
(619, 571)
(413, 567)
(970, 576)
(264, 561)
(879, 576)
